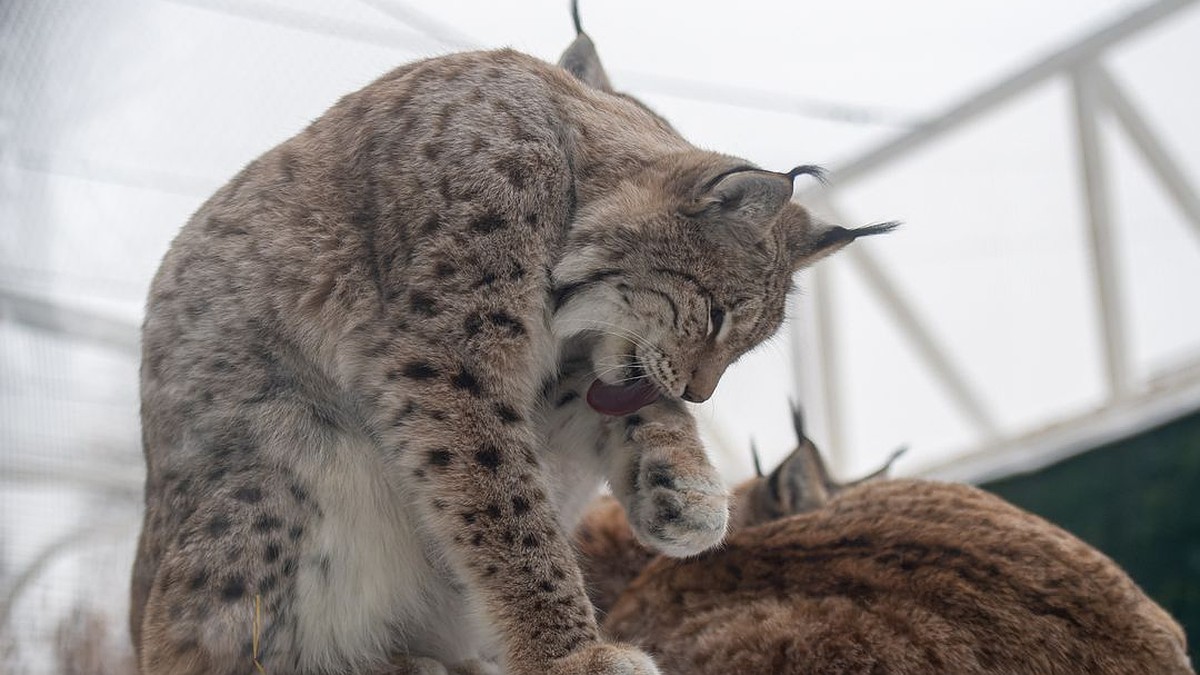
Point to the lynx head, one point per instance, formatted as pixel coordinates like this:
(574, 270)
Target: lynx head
(801, 483)
(685, 265)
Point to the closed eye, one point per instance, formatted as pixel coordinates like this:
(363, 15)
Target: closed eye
(716, 319)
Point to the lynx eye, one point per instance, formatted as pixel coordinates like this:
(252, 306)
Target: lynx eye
(716, 318)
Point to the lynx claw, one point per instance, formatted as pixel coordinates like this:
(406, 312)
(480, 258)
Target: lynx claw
(605, 659)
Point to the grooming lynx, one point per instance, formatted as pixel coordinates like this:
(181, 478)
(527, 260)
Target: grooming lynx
(386, 366)
(878, 576)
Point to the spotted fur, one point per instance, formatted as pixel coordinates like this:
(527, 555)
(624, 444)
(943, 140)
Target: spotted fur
(366, 359)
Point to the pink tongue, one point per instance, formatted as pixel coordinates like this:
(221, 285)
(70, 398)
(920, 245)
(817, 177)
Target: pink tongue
(620, 399)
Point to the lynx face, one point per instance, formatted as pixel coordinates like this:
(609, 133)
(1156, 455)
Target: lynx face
(673, 277)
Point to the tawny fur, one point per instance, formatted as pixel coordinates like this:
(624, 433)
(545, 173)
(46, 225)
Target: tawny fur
(365, 360)
(888, 576)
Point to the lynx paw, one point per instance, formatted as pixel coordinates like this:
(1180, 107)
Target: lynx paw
(675, 514)
(605, 659)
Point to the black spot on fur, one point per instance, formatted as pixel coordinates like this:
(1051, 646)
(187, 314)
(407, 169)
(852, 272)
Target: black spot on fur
(289, 567)
(250, 495)
(233, 589)
(422, 303)
(267, 523)
(520, 505)
(198, 580)
(633, 421)
(489, 457)
(493, 511)
(506, 320)
(469, 517)
(431, 224)
(298, 493)
(487, 223)
(295, 532)
(271, 553)
(491, 570)
(530, 541)
(487, 279)
(514, 168)
(477, 539)
(218, 526)
(419, 370)
(444, 269)
(546, 586)
(473, 324)
(660, 476)
(565, 399)
(466, 380)
(439, 457)
(507, 414)
(668, 512)
(404, 413)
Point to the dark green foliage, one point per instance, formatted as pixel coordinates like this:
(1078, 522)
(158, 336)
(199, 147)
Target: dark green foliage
(1138, 501)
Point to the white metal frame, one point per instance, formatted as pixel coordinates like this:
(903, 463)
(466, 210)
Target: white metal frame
(1094, 90)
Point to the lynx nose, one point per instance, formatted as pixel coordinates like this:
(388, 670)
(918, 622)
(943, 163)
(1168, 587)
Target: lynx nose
(704, 382)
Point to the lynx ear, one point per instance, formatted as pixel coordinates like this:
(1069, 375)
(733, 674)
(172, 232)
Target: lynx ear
(810, 239)
(801, 482)
(581, 59)
(744, 202)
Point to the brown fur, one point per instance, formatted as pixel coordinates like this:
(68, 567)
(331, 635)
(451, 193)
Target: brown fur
(888, 576)
(364, 358)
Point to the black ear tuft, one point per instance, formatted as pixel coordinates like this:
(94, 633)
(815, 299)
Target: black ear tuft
(575, 17)
(808, 170)
(798, 422)
(810, 239)
(838, 236)
(757, 461)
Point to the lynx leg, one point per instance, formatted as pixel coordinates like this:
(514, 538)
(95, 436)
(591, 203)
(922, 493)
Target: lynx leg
(673, 497)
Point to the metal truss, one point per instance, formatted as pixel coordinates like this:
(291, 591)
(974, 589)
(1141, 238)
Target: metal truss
(1129, 404)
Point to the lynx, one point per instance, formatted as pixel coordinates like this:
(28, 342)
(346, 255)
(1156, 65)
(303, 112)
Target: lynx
(388, 364)
(904, 577)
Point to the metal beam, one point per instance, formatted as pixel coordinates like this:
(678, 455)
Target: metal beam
(929, 350)
(88, 325)
(1168, 171)
(1162, 401)
(828, 366)
(984, 101)
(1102, 247)
(318, 24)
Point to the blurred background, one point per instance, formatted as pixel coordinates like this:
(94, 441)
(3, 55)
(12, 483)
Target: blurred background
(1034, 327)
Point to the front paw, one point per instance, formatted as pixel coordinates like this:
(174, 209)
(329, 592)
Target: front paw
(605, 659)
(678, 513)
